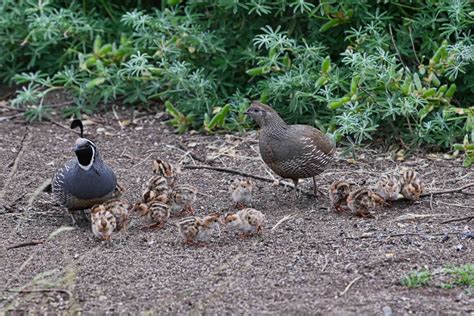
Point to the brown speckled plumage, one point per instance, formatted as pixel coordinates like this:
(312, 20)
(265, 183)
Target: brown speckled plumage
(291, 151)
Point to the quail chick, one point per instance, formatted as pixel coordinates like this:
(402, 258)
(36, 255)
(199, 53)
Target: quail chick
(196, 230)
(85, 180)
(412, 187)
(156, 212)
(291, 151)
(388, 187)
(157, 188)
(109, 217)
(182, 198)
(248, 221)
(338, 193)
(241, 192)
(362, 201)
(167, 170)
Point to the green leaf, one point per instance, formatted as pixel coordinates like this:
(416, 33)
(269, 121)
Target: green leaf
(329, 25)
(451, 91)
(355, 84)
(95, 82)
(97, 44)
(258, 71)
(429, 93)
(326, 65)
(416, 80)
(219, 118)
(172, 110)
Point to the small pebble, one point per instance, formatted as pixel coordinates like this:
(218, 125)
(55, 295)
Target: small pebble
(387, 311)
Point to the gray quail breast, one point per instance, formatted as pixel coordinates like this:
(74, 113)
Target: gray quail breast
(85, 180)
(291, 151)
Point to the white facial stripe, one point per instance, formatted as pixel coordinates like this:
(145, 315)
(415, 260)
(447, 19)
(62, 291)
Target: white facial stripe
(88, 167)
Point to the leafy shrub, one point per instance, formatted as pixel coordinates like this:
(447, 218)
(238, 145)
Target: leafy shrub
(359, 70)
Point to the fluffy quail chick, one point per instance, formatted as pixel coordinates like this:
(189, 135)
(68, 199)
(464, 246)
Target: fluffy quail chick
(247, 221)
(241, 192)
(388, 187)
(196, 230)
(182, 198)
(412, 187)
(109, 217)
(338, 194)
(156, 212)
(157, 190)
(167, 170)
(362, 201)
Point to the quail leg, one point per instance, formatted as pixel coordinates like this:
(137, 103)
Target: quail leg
(239, 205)
(73, 218)
(315, 188)
(295, 192)
(259, 230)
(157, 225)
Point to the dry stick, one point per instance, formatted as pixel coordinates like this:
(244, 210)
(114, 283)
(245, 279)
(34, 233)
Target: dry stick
(193, 155)
(457, 219)
(27, 244)
(69, 294)
(349, 285)
(397, 235)
(326, 264)
(244, 174)
(413, 45)
(455, 190)
(15, 166)
(395, 45)
(281, 221)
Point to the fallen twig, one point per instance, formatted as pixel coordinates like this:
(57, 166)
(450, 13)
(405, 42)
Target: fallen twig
(410, 216)
(244, 174)
(14, 166)
(27, 244)
(455, 190)
(326, 263)
(398, 235)
(193, 155)
(457, 205)
(281, 221)
(468, 218)
(69, 294)
(349, 285)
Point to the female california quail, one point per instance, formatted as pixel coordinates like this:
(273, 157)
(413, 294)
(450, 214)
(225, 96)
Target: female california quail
(291, 151)
(85, 180)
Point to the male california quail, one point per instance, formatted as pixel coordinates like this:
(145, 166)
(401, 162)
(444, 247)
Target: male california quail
(85, 180)
(291, 151)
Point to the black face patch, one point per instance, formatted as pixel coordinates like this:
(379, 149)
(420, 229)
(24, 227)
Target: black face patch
(85, 155)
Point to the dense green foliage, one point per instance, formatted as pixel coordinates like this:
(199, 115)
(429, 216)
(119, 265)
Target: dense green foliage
(358, 69)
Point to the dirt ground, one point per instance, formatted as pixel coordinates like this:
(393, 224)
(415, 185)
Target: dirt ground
(303, 266)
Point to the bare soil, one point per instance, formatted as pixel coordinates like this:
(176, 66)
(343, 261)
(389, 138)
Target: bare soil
(303, 266)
